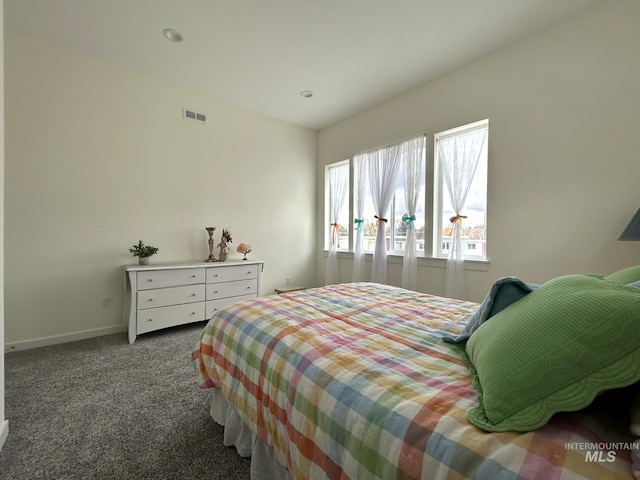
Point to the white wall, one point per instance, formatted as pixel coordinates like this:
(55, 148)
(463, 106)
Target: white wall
(4, 424)
(98, 157)
(564, 158)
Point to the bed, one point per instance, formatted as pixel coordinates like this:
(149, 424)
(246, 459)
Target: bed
(354, 381)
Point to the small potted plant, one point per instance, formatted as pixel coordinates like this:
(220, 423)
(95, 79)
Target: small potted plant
(143, 252)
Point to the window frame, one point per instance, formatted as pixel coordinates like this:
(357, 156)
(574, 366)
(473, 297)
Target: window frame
(327, 205)
(432, 190)
(392, 218)
(439, 189)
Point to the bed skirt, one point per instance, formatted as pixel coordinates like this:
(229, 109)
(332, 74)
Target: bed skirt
(236, 434)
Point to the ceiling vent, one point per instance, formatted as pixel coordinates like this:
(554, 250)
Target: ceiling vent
(193, 115)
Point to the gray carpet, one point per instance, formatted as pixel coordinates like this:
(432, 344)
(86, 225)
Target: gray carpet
(104, 409)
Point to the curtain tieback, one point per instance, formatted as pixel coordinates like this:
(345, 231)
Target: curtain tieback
(408, 221)
(359, 223)
(457, 218)
(380, 219)
(335, 231)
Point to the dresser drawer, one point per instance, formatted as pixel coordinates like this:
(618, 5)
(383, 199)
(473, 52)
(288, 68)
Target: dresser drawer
(232, 273)
(214, 305)
(157, 318)
(169, 278)
(162, 297)
(232, 289)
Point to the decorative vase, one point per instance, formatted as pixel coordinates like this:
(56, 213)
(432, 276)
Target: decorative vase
(225, 240)
(143, 260)
(224, 251)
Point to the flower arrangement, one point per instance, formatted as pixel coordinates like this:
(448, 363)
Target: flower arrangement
(226, 235)
(244, 248)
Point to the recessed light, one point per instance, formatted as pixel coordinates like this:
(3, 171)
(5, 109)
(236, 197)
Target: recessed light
(306, 93)
(172, 35)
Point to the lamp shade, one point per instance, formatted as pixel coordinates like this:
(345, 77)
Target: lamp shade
(632, 232)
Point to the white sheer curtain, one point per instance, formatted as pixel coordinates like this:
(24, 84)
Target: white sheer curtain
(459, 156)
(360, 167)
(412, 155)
(384, 167)
(338, 187)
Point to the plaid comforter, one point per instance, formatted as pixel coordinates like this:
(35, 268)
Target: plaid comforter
(353, 381)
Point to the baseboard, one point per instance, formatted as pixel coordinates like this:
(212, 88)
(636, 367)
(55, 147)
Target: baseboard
(56, 339)
(4, 432)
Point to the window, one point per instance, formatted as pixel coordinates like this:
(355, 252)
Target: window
(395, 227)
(462, 154)
(337, 205)
(434, 232)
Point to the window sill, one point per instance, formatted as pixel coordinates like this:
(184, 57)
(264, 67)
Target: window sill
(435, 262)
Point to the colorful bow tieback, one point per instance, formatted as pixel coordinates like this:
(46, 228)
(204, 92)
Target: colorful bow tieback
(457, 218)
(408, 221)
(359, 223)
(335, 237)
(380, 219)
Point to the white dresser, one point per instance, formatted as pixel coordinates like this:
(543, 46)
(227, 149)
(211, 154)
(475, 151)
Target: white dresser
(165, 295)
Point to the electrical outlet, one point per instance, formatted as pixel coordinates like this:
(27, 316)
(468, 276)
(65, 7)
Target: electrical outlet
(287, 281)
(106, 302)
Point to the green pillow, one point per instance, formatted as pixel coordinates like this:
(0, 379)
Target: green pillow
(625, 276)
(554, 350)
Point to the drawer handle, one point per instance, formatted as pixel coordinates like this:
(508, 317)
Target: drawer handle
(215, 274)
(193, 313)
(249, 287)
(215, 291)
(150, 320)
(151, 299)
(193, 294)
(150, 280)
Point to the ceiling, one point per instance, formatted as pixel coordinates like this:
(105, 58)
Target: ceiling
(260, 54)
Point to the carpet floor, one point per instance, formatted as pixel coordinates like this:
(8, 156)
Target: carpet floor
(103, 409)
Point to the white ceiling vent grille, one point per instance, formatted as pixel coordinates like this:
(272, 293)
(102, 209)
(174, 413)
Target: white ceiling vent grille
(189, 114)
